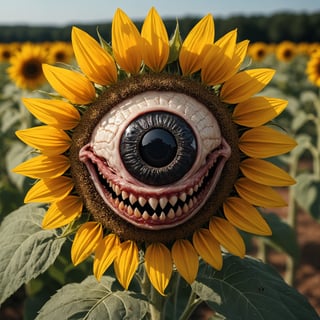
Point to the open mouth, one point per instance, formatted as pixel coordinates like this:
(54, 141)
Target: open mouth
(151, 207)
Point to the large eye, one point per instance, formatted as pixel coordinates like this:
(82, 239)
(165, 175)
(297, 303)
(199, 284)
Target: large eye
(158, 148)
(156, 157)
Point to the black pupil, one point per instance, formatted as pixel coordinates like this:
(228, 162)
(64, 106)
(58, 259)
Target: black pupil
(158, 147)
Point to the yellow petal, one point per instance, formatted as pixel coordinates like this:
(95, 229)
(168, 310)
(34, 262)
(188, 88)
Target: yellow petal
(95, 62)
(245, 84)
(62, 212)
(43, 167)
(70, 84)
(266, 173)
(217, 67)
(49, 190)
(244, 216)
(191, 53)
(85, 241)
(156, 41)
(228, 43)
(186, 259)
(264, 142)
(105, 254)
(258, 194)
(158, 265)
(56, 113)
(126, 43)
(126, 262)
(49, 140)
(208, 248)
(227, 235)
(257, 111)
(240, 53)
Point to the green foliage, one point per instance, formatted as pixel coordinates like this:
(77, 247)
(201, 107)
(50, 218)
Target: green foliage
(251, 290)
(94, 300)
(270, 29)
(26, 249)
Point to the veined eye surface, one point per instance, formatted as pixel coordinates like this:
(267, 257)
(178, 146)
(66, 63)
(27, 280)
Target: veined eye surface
(156, 157)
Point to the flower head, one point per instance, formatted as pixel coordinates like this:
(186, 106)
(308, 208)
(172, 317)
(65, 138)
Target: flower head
(313, 68)
(164, 163)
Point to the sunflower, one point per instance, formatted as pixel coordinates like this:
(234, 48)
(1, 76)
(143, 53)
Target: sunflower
(25, 68)
(159, 146)
(313, 68)
(258, 51)
(286, 51)
(60, 51)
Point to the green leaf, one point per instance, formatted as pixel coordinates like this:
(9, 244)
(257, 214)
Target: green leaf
(283, 236)
(26, 249)
(93, 300)
(251, 290)
(175, 45)
(307, 191)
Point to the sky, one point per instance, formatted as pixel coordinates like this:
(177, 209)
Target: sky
(66, 12)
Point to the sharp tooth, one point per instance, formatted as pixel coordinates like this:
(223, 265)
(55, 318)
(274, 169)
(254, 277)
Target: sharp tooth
(142, 201)
(130, 210)
(173, 200)
(117, 190)
(196, 188)
(116, 201)
(145, 215)
(153, 203)
(137, 213)
(163, 202)
(124, 195)
(190, 204)
(190, 192)
(171, 214)
(185, 208)
(162, 216)
(132, 199)
(121, 205)
(154, 217)
(178, 212)
(183, 197)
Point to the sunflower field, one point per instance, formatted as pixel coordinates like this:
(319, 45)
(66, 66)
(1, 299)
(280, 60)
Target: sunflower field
(150, 174)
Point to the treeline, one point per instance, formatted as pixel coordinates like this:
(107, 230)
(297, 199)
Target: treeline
(300, 27)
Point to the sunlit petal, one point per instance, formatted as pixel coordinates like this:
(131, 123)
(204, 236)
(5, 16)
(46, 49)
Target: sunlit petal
(49, 190)
(191, 53)
(227, 235)
(257, 111)
(56, 113)
(228, 43)
(265, 172)
(274, 142)
(155, 41)
(105, 254)
(244, 216)
(62, 212)
(158, 263)
(70, 84)
(258, 194)
(43, 167)
(240, 53)
(208, 248)
(49, 140)
(126, 43)
(245, 84)
(126, 262)
(95, 62)
(186, 259)
(85, 241)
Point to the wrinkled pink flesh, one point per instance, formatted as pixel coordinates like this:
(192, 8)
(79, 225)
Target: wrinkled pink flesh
(198, 193)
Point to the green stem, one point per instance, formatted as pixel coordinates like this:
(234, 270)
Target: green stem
(192, 304)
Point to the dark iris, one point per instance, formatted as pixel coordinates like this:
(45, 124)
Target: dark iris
(158, 148)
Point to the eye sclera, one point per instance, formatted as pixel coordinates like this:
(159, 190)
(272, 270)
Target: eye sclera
(106, 138)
